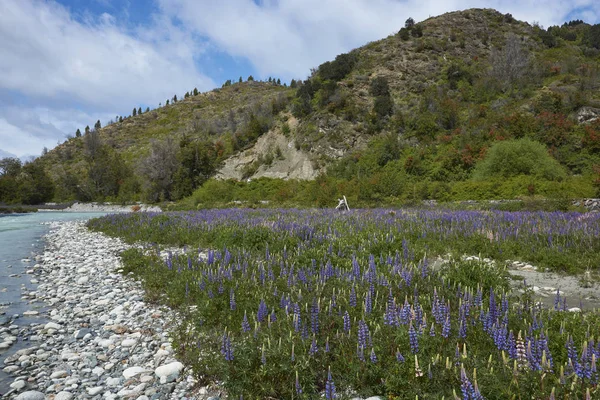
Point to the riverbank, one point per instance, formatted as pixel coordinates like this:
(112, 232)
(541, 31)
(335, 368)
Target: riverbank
(104, 207)
(102, 339)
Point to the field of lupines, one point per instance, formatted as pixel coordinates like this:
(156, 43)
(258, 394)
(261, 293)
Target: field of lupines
(297, 304)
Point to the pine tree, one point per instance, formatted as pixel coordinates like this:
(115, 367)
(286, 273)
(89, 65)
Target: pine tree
(87, 129)
(167, 103)
(293, 84)
(278, 81)
(147, 109)
(134, 112)
(140, 111)
(121, 119)
(175, 99)
(186, 95)
(250, 78)
(78, 133)
(195, 92)
(240, 80)
(98, 125)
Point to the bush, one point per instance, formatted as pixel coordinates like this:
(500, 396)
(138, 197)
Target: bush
(518, 157)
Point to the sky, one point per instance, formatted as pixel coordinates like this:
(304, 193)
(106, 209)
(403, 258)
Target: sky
(65, 64)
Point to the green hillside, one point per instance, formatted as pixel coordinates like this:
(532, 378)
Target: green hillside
(435, 111)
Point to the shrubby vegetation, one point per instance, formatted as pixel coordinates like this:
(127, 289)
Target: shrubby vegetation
(24, 184)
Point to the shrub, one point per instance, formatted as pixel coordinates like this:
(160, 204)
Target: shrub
(518, 157)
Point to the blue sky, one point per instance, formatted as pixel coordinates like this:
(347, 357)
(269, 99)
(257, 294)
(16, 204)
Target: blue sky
(67, 63)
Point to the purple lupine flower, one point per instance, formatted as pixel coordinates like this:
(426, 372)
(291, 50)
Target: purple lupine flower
(226, 349)
(313, 347)
(330, 387)
(462, 330)
(273, 316)
(297, 318)
(432, 330)
(298, 387)
(373, 356)
(466, 387)
(327, 345)
(245, 324)
(399, 356)
(352, 299)
(262, 311)
(263, 357)
(232, 304)
(363, 334)
(446, 327)
(512, 346)
(368, 303)
(413, 338)
(346, 322)
(314, 317)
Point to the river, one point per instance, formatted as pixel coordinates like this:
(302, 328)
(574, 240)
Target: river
(20, 240)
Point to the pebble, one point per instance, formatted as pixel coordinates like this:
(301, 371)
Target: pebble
(100, 339)
(31, 395)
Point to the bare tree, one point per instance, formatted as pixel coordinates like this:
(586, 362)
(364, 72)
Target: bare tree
(511, 63)
(159, 168)
(92, 143)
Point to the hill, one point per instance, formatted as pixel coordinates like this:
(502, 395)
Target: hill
(410, 116)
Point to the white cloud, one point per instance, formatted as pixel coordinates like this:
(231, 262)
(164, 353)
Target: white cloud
(56, 67)
(288, 37)
(47, 53)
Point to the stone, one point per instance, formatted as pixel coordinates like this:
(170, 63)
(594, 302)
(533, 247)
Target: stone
(95, 390)
(83, 280)
(80, 333)
(128, 342)
(31, 313)
(31, 395)
(59, 374)
(575, 309)
(52, 325)
(169, 370)
(18, 385)
(133, 371)
(63, 396)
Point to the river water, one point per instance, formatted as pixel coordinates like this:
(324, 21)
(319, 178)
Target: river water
(20, 240)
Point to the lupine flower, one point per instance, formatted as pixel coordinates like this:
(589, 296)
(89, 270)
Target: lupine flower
(399, 356)
(314, 317)
(373, 356)
(352, 300)
(245, 323)
(446, 327)
(346, 322)
(232, 304)
(413, 338)
(226, 349)
(313, 347)
(298, 387)
(330, 387)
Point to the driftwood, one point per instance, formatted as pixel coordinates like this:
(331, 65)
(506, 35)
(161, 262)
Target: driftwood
(343, 205)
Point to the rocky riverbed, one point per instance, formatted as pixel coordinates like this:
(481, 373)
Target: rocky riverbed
(99, 340)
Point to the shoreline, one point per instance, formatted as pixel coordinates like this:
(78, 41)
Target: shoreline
(102, 341)
(107, 208)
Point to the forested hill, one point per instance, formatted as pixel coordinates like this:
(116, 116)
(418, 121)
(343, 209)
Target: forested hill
(469, 104)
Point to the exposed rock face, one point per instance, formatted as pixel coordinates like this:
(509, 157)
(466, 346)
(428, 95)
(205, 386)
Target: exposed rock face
(286, 162)
(587, 114)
